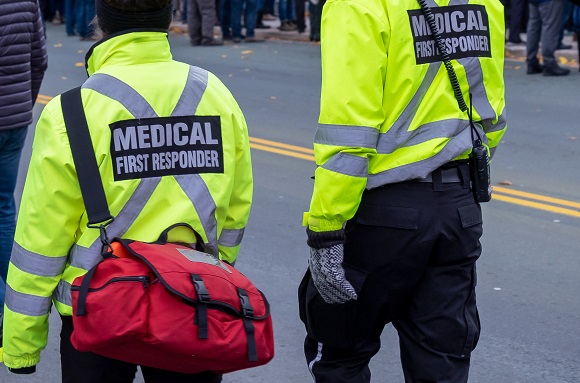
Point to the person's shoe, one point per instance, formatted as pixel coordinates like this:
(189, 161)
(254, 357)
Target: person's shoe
(287, 26)
(212, 43)
(269, 17)
(535, 68)
(262, 26)
(555, 70)
(195, 43)
(254, 39)
(563, 46)
(237, 40)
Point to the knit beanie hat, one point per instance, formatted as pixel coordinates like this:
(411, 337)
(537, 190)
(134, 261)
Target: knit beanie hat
(117, 15)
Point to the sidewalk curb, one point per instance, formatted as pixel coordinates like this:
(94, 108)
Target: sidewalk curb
(565, 57)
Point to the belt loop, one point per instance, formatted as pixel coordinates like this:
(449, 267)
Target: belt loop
(464, 173)
(437, 180)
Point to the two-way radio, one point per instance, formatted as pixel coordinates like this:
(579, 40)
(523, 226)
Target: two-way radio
(479, 159)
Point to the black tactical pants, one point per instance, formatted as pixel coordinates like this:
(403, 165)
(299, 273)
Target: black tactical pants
(410, 253)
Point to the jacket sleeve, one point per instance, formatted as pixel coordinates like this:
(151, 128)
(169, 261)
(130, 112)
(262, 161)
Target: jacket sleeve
(351, 110)
(39, 58)
(241, 198)
(48, 220)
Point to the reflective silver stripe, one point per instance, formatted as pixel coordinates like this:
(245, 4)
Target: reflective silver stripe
(489, 127)
(193, 185)
(474, 75)
(341, 135)
(231, 237)
(401, 126)
(388, 142)
(37, 264)
(85, 258)
(27, 304)
(316, 359)
(348, 164)
(199, 195)
(116, 89)
(456, 146)
(62, 293)
(192, 93)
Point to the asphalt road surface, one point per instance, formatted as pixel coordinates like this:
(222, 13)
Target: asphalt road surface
(529, 271)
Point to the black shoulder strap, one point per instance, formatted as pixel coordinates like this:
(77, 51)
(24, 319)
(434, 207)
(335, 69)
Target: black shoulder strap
(84, 157)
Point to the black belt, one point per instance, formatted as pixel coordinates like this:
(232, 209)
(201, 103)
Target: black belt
(448, 176)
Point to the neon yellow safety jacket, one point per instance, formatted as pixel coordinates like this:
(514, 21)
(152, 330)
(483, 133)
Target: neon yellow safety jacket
(387, 108)
(131, 77)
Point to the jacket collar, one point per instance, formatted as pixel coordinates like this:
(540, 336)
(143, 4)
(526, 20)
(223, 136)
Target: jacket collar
(135, 46)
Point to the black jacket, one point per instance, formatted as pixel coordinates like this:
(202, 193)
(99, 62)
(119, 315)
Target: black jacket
(23, 61)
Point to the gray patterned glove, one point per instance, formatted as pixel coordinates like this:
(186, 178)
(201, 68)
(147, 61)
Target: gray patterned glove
(325, 263)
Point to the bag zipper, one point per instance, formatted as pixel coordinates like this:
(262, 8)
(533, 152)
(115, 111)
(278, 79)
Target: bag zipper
(143, 279)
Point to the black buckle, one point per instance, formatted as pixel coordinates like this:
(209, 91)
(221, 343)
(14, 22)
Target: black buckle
(202, 292)
(247, 309)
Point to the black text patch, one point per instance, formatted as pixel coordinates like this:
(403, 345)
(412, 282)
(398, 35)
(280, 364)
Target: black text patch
(464, 30)
(152, 147)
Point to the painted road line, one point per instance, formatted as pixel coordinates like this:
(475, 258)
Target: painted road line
(283, 149)
(536, 205)
(555, 201)
(42, 99)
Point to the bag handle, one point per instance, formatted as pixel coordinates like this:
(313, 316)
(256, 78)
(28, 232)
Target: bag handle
(199, 244)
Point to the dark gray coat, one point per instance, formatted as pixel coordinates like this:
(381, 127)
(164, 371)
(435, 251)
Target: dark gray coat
(23, 61)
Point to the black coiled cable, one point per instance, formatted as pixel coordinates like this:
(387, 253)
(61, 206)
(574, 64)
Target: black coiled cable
(444, 55)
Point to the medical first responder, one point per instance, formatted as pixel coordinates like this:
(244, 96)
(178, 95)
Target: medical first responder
(132, 78)
(393, 225)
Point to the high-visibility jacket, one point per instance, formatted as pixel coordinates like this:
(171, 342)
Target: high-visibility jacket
(387, 108)
(132, 76)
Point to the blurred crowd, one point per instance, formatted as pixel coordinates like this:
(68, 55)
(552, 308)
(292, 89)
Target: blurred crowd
(237, 19)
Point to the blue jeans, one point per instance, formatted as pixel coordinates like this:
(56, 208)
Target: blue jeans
(226, 19)
(250, 16)
(11, 143)
(84, 14)
(69, 13)
(286, 10)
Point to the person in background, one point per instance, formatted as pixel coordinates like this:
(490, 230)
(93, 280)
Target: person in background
(315, 10)
(566, 16)
(69, 11)
(23, 62)
(249, 10)
(201, 19)
(544, 23)
(516, 21)
(84, 13)
(300, 11)
(286, 14)
(269, 10)
(394, 223)
(132, 76)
